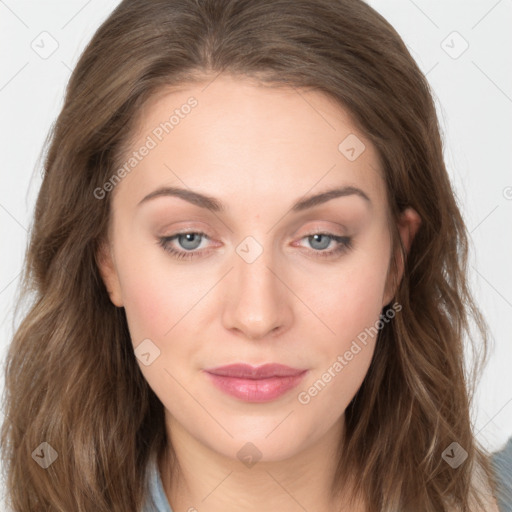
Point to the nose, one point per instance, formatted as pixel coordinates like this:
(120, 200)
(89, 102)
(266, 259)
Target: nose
(257, 301)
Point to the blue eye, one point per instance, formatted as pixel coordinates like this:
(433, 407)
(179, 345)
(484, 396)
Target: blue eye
(320, 242)
(190, 242)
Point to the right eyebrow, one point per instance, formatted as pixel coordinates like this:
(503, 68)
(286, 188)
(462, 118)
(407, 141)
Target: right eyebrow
(201, 200)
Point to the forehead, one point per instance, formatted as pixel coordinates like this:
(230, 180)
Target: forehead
(235, 137)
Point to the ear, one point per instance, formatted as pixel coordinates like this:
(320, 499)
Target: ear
(408, 225)
(108, 271)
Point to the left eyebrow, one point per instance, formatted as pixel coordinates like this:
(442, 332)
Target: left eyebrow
(214, 205)
(323, 197)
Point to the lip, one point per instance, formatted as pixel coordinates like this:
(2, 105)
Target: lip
(255, 383)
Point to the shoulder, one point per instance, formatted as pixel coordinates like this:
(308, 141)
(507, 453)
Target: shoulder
(501, 465)
(481, 498)
(156, 500)
(501, 462)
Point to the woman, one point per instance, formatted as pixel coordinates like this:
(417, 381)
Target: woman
(249, 272)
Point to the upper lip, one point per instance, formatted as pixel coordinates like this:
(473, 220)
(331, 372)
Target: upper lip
(246, 371)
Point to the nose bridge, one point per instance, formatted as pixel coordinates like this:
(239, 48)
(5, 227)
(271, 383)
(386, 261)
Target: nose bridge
(257, 302)
(252, 264)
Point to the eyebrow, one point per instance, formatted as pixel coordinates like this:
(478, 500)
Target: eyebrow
(214, 205)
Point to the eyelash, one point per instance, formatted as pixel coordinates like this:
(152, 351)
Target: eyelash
(344, 245)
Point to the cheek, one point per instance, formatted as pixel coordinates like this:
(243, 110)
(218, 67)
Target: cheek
(156, 295)
(352, 299)
(148, 308)
(350, 305)
(156, 310)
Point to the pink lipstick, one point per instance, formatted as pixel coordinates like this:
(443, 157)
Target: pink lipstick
(255, 383)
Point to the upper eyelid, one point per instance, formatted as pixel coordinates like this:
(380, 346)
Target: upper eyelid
(174, 236)
(313, 230)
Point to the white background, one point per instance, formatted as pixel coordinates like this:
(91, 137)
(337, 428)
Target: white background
(474, 97)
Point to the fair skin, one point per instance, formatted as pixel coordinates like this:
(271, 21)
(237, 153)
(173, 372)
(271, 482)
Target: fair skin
(258, 150)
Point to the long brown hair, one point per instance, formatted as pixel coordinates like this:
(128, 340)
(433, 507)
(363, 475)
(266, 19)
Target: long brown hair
(71, 376)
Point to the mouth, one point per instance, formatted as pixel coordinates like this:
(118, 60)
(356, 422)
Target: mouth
(255, 383)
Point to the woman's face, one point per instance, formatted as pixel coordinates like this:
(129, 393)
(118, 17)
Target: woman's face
(254, 285)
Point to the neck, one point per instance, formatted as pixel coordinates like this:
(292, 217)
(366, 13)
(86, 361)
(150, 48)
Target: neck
(200, 478)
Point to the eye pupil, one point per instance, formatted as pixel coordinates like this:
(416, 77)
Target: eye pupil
(318, 239)
(190, 243)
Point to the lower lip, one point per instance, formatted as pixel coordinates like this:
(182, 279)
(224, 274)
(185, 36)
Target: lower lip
(256, 390)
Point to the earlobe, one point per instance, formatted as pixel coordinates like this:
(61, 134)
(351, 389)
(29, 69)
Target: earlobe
(108, 272)
(408, 225)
